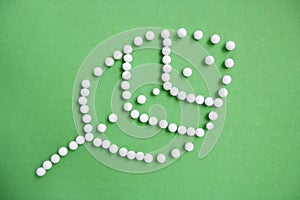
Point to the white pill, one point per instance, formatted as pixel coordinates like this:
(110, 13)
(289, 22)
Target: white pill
(109, 61)
(126, 75)
(105, 144)
(123, 152)
(215, 39)
(175, 153)
(230, 45)
(47, 165)
(167, 42)
(73, 145)
(113, 118)
(226, 79)
(167, 68)
(86, 118)
(200, 132)
(84, 109)
(181, 130)
(181, 32)
(128, 58)
(97, 71)
(165, 77)
(209, 60)
(163, 123)
(172, 128)
(181, 95)
(85, 92)
(209, 126)
(40, 171)
(87, 128)
(141, 99)
(198, 35)
(62, 151)
(82, 100)
(187, 72)
(89, 137)
(209, 101)
(189, 146)
(174, 91)
(101, 128)
(134, 114)
(223, 92)
(190, 131)
(113, 148)
(144, 118)
(149, 35)
(213, 115)
(138, 41)
(218, 103)
(85, 83)
(148, 158)
(127, 106)
(131, 155)
(167, 86)
(153, 121)
(80, 139)
(229, 62)
(165, 34)
(166, 51)
(117, 55)
(126, 95)
(166, 59)
(97, 142)
(127, 49)
(126, 66)
(199, 99)
(190, 98)
(55, 158)
(161, 158)
(139, 156)
(125, 85)
(155, 91)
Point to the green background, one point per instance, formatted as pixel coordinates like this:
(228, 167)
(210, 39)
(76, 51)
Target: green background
(42, 45)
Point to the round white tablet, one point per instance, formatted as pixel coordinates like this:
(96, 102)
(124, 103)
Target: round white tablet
(89, 137)
(165, 34)
(85, 92)
(190, 131)
(123, 152)
(85, 83)
(138, 41)
(218, 103)
(200, 132)
(47, 165)
(223, 92)
(209, 60)
(153, 121)
(109, 61)
(105, 144)
(117, 55)
(113, 118)
(155, 91)
(181, 95)
(161, 158)
(86, 118)
(126, 75)
(87, 128)
(213, 115)
(84, 109)
(82, 100)
(167, 68)
(62, 151)
(189, 146)
(134, 114)
(113, 148)
(127, 106)
(229, 62)
(128, 58)
(97, 142)
(141, 99)
(167, 85)
(174, 91)
(209, 101)
(55, 158)
(181, 32)
(97, 71)
(127, 49)
(175, 153)
(172, 127)
(190, 98)
(131, 155)
(187, 72)
(163, 123)
(165, 77)
(209, 126)
(126, 95)
(148, 158)
(79, 139)
(226, 79)
(198, 35)
(199, 99)
(167, 42)
(215, 39)
(40, 171)
(149, 35)
(144, 118)
(166, 51)
(166, 59)
(73, 145)
(101, 128)
(126, 66)
(125, 85)
(139, 156)
(230, 45)
(181, 130)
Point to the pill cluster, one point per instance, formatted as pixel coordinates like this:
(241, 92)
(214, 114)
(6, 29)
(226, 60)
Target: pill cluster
(135, 114)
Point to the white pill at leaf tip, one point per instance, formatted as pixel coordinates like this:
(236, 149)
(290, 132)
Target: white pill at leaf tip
(40, 171)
